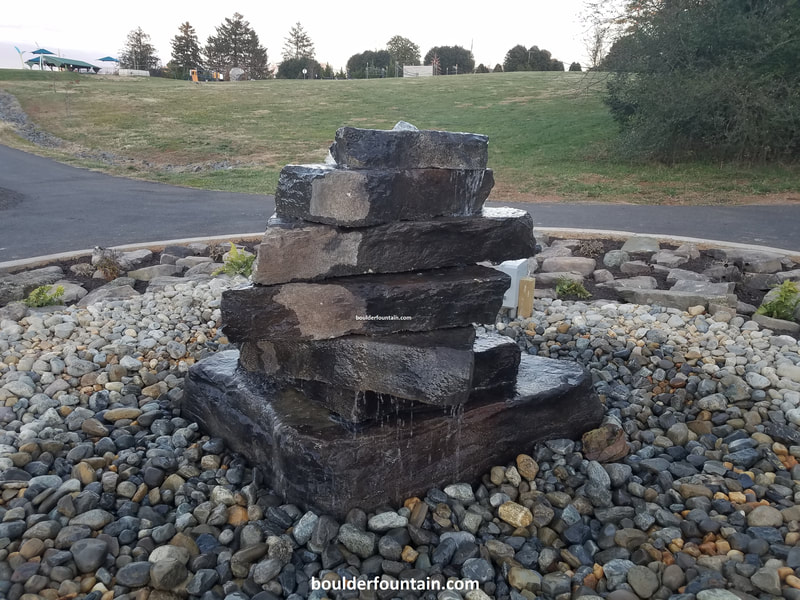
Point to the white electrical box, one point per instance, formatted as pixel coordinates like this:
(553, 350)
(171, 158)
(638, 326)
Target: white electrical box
(516, 269)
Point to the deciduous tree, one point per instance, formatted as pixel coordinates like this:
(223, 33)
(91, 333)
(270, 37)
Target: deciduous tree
(452, 59)
(716, 79)
(403, 50)
(370, 63)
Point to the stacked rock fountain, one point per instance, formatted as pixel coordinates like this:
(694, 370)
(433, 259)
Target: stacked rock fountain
(360, 379)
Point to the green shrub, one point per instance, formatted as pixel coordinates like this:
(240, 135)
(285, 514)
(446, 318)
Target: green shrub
(41, 296)
(709, 80)
(567, 288)
(784, 304)
(237, 263)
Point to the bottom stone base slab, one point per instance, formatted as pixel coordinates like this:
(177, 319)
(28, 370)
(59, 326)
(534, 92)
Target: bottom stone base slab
(311, 460)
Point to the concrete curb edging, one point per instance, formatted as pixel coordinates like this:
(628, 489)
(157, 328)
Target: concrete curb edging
(559, 232)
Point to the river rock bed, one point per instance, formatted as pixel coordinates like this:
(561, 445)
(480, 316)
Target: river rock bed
(690, 490)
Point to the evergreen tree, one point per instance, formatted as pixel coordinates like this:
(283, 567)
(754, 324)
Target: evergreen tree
(298, 44)
(292, 68)
(237, 45)
(138, 52)
(481, 68)
(576, 66)
(542, 60)
(185, 51)
(520, 58)
(516, 59)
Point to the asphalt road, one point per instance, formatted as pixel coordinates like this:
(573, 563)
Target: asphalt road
(47, 207)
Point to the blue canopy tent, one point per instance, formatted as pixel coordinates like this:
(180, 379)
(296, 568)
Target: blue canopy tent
(41, 52)
(108, 59)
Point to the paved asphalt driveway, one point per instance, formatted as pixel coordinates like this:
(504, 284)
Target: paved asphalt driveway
(48, 207)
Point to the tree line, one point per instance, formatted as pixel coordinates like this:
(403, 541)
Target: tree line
(235, 45)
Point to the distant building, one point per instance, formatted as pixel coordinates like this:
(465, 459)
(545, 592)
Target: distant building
(417, 70)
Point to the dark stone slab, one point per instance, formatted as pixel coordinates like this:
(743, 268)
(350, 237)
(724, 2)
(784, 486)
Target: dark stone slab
(323, 194)
(409, 149)
(354, 408)
(434, 367)
(496, 362)
(497, 359)
(311, 460)
(364, 305)
(294, 250)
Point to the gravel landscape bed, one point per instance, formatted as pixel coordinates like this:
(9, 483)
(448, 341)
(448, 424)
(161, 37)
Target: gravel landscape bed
(689, 490)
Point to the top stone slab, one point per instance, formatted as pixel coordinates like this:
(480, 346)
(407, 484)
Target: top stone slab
(405, 148)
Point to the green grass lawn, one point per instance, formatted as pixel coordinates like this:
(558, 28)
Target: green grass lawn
(549, 133)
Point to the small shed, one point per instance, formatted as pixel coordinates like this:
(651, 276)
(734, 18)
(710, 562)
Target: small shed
(417, 70)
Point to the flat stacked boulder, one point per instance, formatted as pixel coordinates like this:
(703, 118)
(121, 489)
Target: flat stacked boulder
(361, 310)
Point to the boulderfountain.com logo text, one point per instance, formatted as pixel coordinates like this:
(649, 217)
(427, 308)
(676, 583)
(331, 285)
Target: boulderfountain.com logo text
(383, 318)
(394, 585)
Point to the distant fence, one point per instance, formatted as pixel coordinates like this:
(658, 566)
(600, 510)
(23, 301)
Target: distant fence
(417, 71)
(133, 73)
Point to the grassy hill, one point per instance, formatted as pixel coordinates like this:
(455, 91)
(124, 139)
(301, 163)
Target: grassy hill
(549, 132)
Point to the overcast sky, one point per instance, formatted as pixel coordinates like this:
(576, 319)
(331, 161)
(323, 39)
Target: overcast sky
(89, 30)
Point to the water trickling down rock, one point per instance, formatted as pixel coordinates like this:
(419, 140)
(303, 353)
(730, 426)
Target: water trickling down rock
(360, 379)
